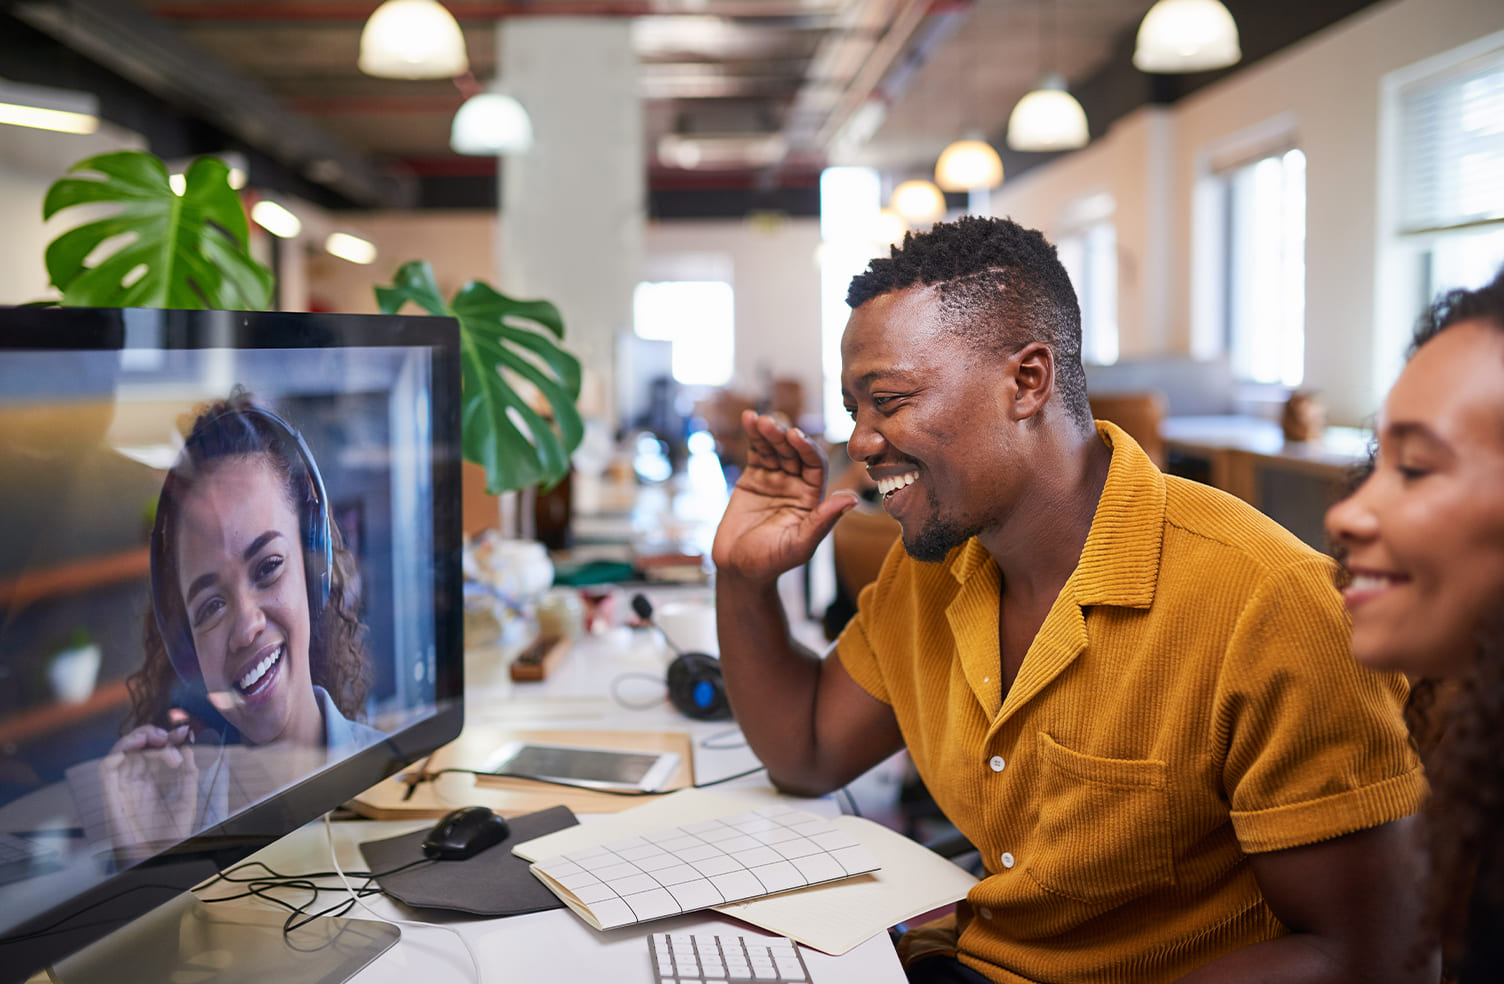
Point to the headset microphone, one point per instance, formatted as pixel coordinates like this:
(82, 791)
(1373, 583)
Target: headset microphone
(695, 685)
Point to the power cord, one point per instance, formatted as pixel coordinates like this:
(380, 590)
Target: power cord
(645, 705)
(262, 887)
(718, 742)
(423, 777)
(356, 897)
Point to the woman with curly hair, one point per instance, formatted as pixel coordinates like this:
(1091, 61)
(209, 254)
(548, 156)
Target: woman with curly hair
(1422, 542)
(252, 625)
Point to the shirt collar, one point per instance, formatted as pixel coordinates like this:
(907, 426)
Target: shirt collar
(1120, 562)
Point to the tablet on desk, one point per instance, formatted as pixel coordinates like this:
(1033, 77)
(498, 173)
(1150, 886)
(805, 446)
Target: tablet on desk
(593, 768)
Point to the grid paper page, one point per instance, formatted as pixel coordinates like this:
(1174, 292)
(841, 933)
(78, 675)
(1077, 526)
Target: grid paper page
(700, 865)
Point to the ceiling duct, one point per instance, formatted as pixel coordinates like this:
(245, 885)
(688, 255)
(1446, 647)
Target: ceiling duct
(124, 40)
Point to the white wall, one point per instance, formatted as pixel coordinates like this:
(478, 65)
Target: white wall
(459, 244)
(30, 161)
(1329, 88)
(777, 290)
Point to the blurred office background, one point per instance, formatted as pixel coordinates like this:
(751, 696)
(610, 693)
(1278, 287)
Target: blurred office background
(698, 179)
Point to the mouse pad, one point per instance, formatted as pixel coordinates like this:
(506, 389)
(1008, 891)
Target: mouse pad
(494, 882)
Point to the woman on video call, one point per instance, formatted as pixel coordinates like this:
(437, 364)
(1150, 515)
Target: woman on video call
(1422, 540)
(254, 611)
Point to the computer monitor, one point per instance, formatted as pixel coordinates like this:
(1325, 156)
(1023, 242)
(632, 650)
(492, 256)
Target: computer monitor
(230, 594)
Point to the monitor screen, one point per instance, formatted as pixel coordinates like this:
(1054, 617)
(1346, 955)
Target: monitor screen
(229, 592)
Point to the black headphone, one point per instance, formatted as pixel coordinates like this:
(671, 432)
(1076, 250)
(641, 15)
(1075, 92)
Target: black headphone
(696, 688)
(221, 435)
(695, 685)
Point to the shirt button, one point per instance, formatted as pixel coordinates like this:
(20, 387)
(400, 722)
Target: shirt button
(997, 763)
(1007, 860)
(985, 912)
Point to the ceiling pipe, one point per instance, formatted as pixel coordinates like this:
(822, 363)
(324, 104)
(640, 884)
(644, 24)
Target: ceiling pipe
(480, 10)
(129, 43)
(884, 53)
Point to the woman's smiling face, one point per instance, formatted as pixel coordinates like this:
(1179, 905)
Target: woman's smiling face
(240, 559)
(1424, 535)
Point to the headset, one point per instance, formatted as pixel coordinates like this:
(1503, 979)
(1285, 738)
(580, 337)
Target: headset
(695, 685)
(225, 434)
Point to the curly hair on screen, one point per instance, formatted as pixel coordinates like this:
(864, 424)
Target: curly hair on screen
(337, 649)
(1001, 286)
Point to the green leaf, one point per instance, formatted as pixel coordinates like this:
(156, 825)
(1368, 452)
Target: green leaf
(414, 282)
(503, 339)
(186, 250)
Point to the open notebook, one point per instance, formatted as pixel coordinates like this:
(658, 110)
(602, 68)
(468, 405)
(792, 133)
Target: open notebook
(832, 916)
(700, 865)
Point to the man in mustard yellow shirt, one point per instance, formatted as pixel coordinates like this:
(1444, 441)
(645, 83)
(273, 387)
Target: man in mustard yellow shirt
(1130, 691)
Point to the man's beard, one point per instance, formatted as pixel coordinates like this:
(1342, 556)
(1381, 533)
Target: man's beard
(936, 539)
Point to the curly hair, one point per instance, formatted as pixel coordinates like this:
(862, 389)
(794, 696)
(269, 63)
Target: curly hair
(222, 431)
(1001, 287)
(1458, 724)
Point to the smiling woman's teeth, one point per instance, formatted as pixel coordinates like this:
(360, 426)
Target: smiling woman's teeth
(887, 486)
(1369, 582)
(258, 671)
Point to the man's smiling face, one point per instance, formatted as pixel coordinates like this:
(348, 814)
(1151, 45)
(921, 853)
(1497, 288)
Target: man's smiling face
(930, 422)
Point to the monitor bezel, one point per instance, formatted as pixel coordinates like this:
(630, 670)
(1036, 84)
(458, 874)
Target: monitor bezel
(45, 937)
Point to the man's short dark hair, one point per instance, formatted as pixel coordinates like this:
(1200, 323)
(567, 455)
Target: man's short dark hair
(1001, 286)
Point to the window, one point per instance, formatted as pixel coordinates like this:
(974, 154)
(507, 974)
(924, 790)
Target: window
(850, 198)
(1451, 185)
(1443, 209)
(1259, 209)
(698, 318)
(1089, 253)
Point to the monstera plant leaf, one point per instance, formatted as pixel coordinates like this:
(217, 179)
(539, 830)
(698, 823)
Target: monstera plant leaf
(503, 339)
(169, 250)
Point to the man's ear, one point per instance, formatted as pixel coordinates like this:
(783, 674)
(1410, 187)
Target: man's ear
(1032, 369)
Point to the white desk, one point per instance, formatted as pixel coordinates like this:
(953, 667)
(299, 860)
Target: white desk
(543, 946)
(557, 945)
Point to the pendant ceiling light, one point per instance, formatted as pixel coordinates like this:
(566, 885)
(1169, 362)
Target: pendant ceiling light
(919, 202)
(1049, 118)
(491, 124)
(412, 39)
(1186, 36)
(968, 164)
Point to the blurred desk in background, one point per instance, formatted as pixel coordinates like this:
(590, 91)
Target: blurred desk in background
(1292, 482)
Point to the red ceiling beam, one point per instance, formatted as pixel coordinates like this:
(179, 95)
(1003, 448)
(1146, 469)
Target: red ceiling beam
(341, 105)
(487, 10)
(449, 166)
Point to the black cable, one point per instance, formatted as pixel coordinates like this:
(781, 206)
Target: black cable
(430, 776)
(262, 887)
(226, 876)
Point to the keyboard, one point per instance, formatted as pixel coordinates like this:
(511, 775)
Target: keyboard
(691, 958)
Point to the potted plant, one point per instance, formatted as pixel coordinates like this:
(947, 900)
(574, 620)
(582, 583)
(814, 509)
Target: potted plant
(191, 250)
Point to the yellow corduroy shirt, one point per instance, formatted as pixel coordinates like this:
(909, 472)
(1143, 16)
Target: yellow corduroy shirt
(1190, 699)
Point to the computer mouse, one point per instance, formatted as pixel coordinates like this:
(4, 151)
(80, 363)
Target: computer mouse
(464, 833)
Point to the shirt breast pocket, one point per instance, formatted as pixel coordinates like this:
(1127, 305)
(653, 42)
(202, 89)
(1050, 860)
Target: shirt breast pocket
(1104, 826)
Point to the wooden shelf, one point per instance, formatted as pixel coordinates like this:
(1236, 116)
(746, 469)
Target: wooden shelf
(75, 577)
(34, 722)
